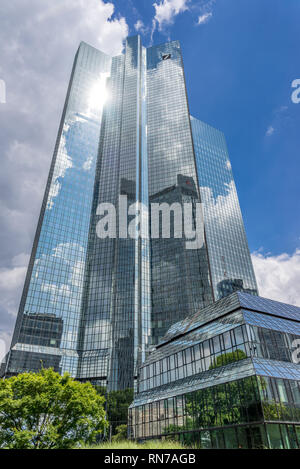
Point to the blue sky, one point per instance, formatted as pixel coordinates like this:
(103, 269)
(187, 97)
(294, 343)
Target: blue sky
(240, 57)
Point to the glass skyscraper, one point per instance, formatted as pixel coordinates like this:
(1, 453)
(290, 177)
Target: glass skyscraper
(48, 321)
(95, 307)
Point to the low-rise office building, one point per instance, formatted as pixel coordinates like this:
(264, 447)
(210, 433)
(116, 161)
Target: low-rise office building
(227, 377)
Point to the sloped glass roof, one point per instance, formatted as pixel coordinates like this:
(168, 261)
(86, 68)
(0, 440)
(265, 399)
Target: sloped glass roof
(276, 369)
(265, 305)
(224, 374)
(271, 322)
(181, 342)
(211, 312)
(225, 306)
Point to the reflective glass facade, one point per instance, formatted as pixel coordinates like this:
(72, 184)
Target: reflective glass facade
(96, 307)
(229, 258)
(49, 316)
(135, 289)
(180, 278)
(116, 309)
(226, 383)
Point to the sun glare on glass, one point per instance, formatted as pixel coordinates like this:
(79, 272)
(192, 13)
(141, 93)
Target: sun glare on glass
(98, 95)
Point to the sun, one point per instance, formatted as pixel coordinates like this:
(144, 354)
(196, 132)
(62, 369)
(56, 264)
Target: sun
(98, 95)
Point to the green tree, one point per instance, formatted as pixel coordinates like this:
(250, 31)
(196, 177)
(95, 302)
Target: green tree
(225, 404)
(121, 433)
(45, 410)
(117, 403)
(229, 357)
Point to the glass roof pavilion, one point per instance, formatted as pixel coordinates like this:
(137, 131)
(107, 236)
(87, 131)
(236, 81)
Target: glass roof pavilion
(226, 377)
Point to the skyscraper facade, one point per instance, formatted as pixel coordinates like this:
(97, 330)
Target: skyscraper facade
(228, 252)
(95, 306)
(51, 299)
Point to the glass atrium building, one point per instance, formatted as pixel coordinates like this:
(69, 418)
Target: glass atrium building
(227, 377)
(95, 307)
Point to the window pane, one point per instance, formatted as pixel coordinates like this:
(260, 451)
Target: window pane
(274, 436)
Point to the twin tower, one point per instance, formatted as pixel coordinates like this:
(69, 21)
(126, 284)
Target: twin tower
(95, 307)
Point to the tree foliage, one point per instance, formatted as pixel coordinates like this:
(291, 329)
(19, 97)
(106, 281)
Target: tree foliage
(229, 357)
(117, 406)
(121, 433)
(45, 410)
(224, 404)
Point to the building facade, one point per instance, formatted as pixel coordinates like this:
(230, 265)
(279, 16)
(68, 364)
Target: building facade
(228, 377)
(52, 294)
(116, 297)
(229, 258)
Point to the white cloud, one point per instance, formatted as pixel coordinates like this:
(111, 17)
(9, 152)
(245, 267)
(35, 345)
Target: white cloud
(5, 340)
(11, 284)
(88, 20)
(166, 10)
(204, 18)
(281, 120)
(270, 131)
(139, 26)
(278, 277)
